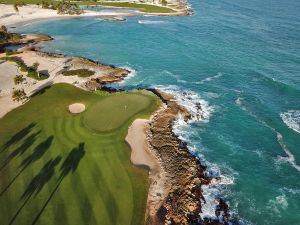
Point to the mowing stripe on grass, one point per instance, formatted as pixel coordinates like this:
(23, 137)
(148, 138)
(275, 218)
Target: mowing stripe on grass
(95, 186)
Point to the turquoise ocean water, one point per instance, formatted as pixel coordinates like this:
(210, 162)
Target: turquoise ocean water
(241, 60)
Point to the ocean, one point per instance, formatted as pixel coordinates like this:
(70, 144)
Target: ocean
(241, 60)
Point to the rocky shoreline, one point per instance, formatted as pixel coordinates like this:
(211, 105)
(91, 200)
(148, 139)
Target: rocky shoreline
(175, 194)
(182, 175)
(55, 68)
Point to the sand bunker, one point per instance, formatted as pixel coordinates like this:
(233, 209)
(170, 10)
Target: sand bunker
(77, 108)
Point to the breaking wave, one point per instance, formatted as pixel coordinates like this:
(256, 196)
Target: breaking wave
(290, 158)
(132, 74)
(151, 22)
(198, 107)
(201, 112)
(209, 78)
(292, 119)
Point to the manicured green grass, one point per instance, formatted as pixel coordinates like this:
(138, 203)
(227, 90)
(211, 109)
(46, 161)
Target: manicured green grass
(142, 7)
(55, 170)
(120, 109)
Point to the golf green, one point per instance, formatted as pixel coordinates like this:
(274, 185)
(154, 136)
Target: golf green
(62, 168)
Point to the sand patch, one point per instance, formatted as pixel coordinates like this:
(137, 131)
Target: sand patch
(137, 139)
(76, 108)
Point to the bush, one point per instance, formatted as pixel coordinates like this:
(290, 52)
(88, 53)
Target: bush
(18, 79)
(79, 72)
(19, 95)
(36, 75)
(31, 71)
(11, 52)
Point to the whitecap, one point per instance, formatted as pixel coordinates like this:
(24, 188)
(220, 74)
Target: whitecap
(201, 111)
(292, 119)
(238, 101)
(219, 74)
(290, 158)
(150, 21)
(132, 73)
(211, 193)
(199, 108)
(278, 204)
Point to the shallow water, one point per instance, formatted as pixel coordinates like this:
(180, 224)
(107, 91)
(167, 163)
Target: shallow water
(241, 59)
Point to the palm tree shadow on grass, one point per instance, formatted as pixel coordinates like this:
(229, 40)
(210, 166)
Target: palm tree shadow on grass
(44, 176)
(70, 165)
(38, 152)
(17, 137)
(37, 183)
(29, 141)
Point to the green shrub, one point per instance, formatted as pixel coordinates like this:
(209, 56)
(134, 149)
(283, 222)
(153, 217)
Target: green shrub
(79, 72)
(31, 71)
(18, 79)
(11, 52)
(36, 75)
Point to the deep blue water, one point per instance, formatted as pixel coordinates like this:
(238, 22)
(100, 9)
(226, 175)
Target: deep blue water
(241, 57)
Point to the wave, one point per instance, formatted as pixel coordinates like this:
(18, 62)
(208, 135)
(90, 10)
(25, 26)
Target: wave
(209, 78)
(199, 108)
(211, 192)
(132, 73)
(277, 84)
(201, 112)
(292, 119)
(151, 21)
(290, 158)
(278, 204)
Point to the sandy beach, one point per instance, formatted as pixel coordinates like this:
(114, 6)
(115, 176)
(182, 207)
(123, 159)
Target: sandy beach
(175, 175)
(53, 65)
(31, 13)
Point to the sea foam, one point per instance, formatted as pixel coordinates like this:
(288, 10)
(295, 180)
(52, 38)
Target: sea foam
(219, 74)
(201, 112)
(292, 119)
(132, 73)
(295, 115)
(151, 21)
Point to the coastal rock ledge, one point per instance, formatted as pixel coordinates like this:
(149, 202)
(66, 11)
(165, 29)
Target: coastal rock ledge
(175, 195)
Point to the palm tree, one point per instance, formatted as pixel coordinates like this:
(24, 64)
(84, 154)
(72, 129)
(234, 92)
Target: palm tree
(19, 95)
(18, 79)
(3, 29)
(35, 67)
(16, 8)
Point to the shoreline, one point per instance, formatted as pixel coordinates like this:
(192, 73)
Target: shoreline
(33, 13)
(54, 65)
(175, 194)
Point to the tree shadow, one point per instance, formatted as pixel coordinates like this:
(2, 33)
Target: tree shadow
(21, 149)
(18, 136)
(37, 183)
(72, 161)
(70, 165)
(38, 152)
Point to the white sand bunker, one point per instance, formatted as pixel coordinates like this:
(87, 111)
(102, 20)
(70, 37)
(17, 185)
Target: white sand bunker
(77, 108)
